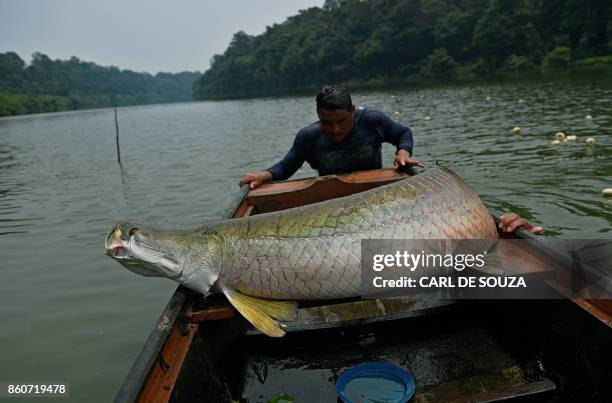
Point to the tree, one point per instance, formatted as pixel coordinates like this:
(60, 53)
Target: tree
(12, 72)
(558, 57)
(517, 64)
(439, 63)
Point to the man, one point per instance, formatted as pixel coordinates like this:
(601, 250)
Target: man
(345, 140)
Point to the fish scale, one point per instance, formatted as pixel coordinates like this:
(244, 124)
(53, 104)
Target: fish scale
(321, 243)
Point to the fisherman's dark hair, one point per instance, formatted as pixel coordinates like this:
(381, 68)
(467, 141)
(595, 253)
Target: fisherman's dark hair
(334, 97)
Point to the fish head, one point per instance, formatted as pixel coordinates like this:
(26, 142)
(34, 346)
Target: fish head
(144, 252)
(192, 258)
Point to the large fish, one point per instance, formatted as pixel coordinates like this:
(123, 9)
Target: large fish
(264, 263)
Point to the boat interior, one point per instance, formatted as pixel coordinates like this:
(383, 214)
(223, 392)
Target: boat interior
(457, 350)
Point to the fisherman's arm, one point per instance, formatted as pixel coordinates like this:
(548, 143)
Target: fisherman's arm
(509, 222)
(279, 171)
(401, 137)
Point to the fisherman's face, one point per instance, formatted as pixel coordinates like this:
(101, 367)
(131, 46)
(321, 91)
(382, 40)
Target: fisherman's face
(336, 123)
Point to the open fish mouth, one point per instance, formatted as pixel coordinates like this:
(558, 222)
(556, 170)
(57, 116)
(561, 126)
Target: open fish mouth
(117, 252)
(115, 243)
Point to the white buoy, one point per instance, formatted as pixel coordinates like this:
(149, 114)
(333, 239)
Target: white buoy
(396, 113)
(361, 108)
(588, 118)
(607, 192)
(560, 136)
(488, 98)
(427, 117)
(590, 141)
(571, 137)
(555, 142)
(516, 130)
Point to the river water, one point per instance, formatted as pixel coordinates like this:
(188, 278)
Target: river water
(71, 314)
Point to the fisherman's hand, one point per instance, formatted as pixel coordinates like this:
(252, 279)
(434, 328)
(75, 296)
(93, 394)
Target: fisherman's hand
(509, 222)
(403, 159)
(254, 180)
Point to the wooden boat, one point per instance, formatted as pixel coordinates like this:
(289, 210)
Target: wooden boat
(476, 351)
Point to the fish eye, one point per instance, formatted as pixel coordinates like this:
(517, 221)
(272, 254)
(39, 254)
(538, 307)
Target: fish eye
(132, 231)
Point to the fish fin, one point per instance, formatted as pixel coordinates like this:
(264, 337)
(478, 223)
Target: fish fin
(283, 310)
(279, 309)
(259, 311)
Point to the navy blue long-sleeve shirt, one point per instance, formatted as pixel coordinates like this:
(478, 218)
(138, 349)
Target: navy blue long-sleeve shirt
(360, 150)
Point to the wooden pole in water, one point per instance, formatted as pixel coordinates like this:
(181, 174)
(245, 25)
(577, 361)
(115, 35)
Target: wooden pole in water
(117, 138)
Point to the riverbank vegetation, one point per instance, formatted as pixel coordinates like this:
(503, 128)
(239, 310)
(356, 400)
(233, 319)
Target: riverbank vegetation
(358, 42)
(47, 85)
(378, 41)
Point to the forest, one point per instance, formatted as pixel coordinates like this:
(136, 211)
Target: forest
(387, 41)
(47, 85)
(356, 42)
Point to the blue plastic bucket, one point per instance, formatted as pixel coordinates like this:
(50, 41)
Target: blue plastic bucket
(375, 382)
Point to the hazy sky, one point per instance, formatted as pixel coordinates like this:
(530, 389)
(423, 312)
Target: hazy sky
(140, 35)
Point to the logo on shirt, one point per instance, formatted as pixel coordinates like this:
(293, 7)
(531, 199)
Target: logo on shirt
(343, 157)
